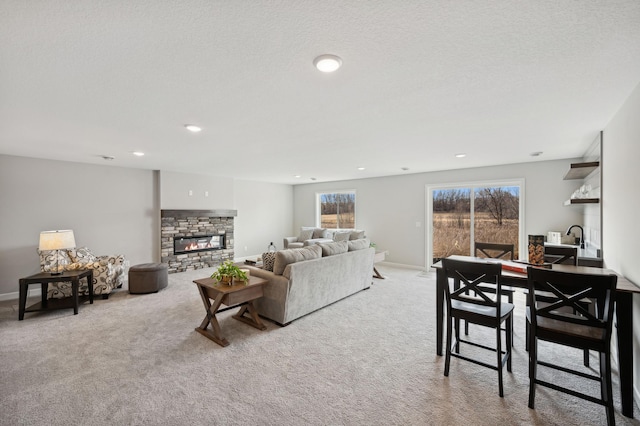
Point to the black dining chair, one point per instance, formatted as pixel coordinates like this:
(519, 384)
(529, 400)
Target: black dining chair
(494, 251)
(466, 300)
(565, 321)
(561, 255)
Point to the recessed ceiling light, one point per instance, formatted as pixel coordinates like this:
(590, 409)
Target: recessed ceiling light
(360, 168)
(327, 63)
(312, 178)
(192, 128)
(296, 176)
(107, 157)
(405, 168)
(138, 153)
(461, 155)
(536, 154)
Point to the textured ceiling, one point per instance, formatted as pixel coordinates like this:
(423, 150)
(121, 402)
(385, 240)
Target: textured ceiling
(420, 82)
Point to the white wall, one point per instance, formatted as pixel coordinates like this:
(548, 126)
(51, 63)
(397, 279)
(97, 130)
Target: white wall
(111, 210)
(621, 203)
(195, 192)
(388, 208)
(265, 214)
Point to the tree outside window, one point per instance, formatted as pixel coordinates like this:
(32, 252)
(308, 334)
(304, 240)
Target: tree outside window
(337, 210)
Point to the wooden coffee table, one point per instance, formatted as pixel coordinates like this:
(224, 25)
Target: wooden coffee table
(232, 296)
(378, 257)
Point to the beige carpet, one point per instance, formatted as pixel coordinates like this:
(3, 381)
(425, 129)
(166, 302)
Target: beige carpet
(366, 360)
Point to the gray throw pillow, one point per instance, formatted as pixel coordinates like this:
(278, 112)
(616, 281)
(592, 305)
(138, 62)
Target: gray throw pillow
(319, 233)
(330, 249)
(341, 236)
(268, 259)
(360, 244)
(305, 234)
(356, 235)
(286, 257)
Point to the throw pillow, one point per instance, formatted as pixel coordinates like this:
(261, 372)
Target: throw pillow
(360, 244)
(356, 235)
(341, 236)
(319, 233)
(82, 255)
(268, 259)
(330, 249)
(305, 234)
(286, 257)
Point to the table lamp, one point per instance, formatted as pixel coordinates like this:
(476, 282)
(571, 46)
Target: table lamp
(57, 240)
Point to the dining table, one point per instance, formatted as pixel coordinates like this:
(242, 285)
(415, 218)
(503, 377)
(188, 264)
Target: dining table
(514, 274)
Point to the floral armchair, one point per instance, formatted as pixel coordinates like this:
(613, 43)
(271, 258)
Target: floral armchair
(108, 271)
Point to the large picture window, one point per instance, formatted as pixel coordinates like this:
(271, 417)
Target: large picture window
(337, 210)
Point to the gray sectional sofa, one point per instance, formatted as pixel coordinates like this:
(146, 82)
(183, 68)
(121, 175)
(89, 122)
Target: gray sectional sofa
(304, 280)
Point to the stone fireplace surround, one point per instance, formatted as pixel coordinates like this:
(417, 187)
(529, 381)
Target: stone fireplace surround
(190, 223)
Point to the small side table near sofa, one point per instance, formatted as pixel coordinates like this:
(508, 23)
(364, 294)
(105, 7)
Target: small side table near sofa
(44, 278)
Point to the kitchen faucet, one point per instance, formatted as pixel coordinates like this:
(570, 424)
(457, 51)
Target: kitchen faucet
(581, 234)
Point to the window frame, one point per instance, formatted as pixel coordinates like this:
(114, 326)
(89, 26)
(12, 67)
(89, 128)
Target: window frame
(428, 238)
(319, 206)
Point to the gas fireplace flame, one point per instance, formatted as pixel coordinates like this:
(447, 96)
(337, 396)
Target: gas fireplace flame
(183, 245)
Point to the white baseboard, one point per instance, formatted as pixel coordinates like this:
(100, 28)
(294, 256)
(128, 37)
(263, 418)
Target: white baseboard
(401, 265)
(35, 292)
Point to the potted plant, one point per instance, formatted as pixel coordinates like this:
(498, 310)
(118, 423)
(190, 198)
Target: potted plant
(228, 272)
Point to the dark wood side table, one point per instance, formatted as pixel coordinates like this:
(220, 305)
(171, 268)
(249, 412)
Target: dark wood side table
(44, 278)
(232, 296)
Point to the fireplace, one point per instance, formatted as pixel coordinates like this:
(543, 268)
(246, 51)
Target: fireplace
(198, 243)
(196, 230)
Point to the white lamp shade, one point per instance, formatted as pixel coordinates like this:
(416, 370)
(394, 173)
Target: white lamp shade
(57, 240)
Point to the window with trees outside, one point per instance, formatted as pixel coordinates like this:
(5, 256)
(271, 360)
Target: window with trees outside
(337, 210)
(463, 215)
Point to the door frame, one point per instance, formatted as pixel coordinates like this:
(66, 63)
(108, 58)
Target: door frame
(429, 188)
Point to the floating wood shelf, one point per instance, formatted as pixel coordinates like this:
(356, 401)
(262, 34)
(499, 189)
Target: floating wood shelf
(581, 170)
(576, 201)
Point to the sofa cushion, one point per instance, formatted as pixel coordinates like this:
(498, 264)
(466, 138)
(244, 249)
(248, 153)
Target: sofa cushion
(356, 235)
(268, 259)
(285, 257)
(305, 234)
(329, 249)
(82, 255)
(341, 235)
(319, 233)
(360, 244)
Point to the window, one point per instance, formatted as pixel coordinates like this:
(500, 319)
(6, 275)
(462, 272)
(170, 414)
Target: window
(337, 210)
(490, 212)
